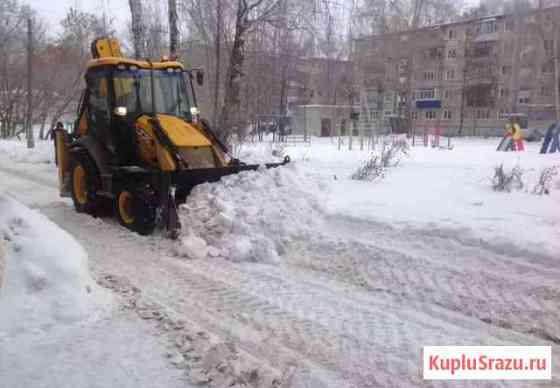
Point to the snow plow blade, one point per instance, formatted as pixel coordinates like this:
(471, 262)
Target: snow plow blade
(191, 178)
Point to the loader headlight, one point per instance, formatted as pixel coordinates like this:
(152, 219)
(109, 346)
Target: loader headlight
(195, 111)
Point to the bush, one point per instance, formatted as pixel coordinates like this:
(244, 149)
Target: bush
(388, 156)
(507, 180)
(277, 149)
(545, 180)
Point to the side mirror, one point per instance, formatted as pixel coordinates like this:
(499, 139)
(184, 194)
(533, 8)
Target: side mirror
(200, 78)
(121, 111)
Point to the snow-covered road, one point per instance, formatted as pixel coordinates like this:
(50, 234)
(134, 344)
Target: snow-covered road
(351, 305)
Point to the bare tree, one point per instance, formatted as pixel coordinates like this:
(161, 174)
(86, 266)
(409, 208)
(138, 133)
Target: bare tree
(137, 27)
(247, 15)
(173, 29)
(218, 53)
(12, 74)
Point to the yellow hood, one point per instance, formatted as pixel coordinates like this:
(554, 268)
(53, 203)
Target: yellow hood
(181, 133)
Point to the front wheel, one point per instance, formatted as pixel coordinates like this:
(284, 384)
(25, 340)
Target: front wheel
(135, 209)
(83, 180)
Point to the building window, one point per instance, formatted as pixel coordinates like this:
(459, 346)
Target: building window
(414, 115)
(450, 74)
(503, 92)
(482, 49)
(548, 67)
(509, 25)
(506, 70)
(486, 27)
(548, 47)
(433, 53)
(524, 100)
(447, 114)
(482, 114)
(546, 91)
(451, 33)
(425, 94)
(429, 76)
(451, 53)
(430, 115)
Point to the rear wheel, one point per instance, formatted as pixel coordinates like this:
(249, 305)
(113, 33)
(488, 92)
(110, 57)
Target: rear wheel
(83, 184)
(135, 209)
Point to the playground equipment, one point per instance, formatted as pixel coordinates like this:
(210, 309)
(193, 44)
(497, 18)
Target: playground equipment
(513, 138)
(431, 136)
(551, 141)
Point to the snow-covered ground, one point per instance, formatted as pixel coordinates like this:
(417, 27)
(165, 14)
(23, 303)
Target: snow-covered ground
(302, 277)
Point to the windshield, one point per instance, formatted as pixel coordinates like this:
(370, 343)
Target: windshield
(133, 91)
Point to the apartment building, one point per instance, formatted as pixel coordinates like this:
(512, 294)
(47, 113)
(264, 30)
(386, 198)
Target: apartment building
(465, 76)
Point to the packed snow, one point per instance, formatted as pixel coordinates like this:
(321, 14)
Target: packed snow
(299, 276)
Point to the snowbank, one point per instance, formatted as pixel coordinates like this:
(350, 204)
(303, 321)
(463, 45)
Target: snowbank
(251, 216)
(46, 278)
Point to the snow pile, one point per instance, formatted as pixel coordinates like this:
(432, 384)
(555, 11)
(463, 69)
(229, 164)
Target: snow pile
(46, 278)
(251, 216)
(260, 152)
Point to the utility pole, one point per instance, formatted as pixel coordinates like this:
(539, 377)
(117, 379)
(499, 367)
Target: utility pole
(28, 124)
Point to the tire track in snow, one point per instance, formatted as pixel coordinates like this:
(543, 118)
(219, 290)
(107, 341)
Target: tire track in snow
(385, 259)
(28, 176)
(254, 324)
(117, 251)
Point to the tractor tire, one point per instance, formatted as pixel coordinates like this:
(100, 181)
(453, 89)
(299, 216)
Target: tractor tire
(84, 182)
(135, 209)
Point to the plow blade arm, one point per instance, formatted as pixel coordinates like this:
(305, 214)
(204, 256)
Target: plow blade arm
(191, 178)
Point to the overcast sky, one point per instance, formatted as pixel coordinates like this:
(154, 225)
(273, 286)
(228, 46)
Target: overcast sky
(53, 11)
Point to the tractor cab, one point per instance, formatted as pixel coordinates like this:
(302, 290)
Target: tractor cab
(138, 141)
(122, 94)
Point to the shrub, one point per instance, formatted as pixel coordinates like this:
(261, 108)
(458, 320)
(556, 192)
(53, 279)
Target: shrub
(507, 180)
(545, 180)
(388, 156)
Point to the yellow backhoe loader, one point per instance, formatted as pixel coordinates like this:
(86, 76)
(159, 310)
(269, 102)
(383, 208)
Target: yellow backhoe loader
(138, 141)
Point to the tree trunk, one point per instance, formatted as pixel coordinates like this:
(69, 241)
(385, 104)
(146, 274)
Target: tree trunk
(232, 103)
(218, 59)
(137, 26)
(43, 123)
(173, 30)
(556, 75)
